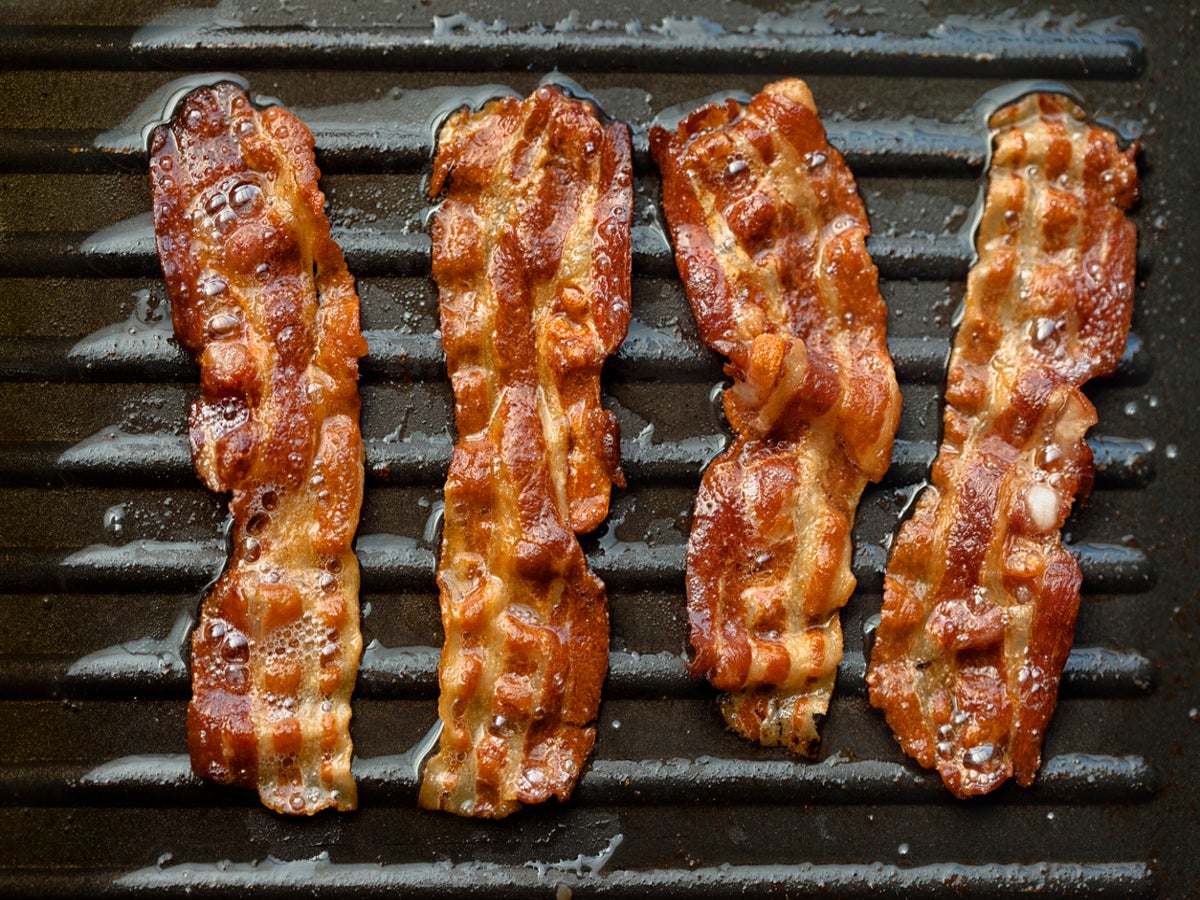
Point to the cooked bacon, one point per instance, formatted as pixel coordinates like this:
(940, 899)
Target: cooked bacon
(531, 253)
(769, 239)
(260, 295)
(980, 596)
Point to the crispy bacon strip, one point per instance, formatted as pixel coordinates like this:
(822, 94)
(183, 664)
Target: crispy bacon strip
(981, 596)
(531, 253)
(260, 295)
(769, 239)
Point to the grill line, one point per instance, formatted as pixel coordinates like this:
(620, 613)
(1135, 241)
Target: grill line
(396, 562)
(133, 351)
(166, 779)
(112, 457)
(126, 249)
(380, 144)
(158, 669)
(874, 881)
(694, 46)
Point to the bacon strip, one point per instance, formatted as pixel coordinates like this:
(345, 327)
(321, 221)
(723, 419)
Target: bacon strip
(769, 239)
(531, 253)
(260, 295)
(980, 596)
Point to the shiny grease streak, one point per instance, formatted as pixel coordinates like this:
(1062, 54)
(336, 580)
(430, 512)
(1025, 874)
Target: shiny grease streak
(261, 296)
(769, 236)
(531, 254)
(980, 596)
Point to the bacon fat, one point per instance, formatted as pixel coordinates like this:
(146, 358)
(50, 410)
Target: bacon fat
(980, 596)
(769, 236)
(261, 296)
(531, 253)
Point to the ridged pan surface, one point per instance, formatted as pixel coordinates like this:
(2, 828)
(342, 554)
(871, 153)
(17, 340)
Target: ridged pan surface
(107, 538)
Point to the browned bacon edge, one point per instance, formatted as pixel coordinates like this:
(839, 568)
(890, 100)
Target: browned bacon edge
(980, 596)
(531, 253)
(769, 237)
(260, 295)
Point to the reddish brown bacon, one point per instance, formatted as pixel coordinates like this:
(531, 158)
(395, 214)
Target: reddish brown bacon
(769, 238)
(261, 296)
(531, 252)
(980, 596)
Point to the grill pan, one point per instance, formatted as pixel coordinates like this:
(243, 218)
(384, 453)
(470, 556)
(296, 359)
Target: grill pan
(107, 539)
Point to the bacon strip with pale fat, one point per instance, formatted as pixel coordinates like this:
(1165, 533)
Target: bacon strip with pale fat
(980, 596)
(769, 238)
(531, 253)
(261, 296)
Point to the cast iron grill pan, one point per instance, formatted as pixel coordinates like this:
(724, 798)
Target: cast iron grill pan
(108, 539)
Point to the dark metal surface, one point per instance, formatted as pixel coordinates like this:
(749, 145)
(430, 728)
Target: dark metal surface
(106, 538)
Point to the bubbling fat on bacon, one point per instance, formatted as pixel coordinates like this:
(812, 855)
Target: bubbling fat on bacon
(261, 296)
(769, 236)
(531, 253)
(980, 595)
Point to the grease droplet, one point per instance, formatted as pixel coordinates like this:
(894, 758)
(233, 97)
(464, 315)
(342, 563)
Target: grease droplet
(245, 194)
(114, 521)
(223, 325)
